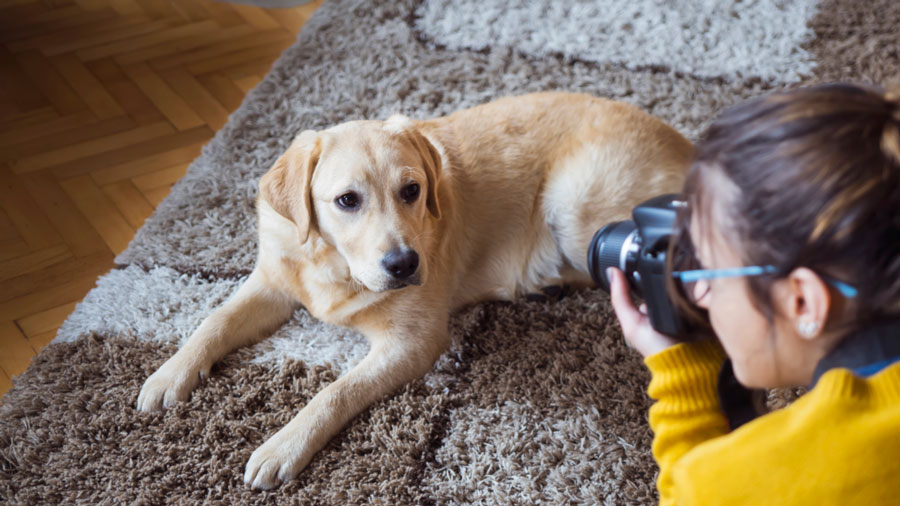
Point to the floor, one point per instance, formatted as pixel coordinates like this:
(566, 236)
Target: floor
(103, 104)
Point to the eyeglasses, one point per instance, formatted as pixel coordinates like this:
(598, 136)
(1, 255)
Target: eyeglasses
(689, 279)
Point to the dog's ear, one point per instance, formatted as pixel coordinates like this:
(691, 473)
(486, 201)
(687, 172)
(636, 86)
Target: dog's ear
(431, 159)
(287, 185)
(433, 169)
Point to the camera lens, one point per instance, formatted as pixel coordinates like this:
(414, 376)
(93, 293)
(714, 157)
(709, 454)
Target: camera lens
(610, 247)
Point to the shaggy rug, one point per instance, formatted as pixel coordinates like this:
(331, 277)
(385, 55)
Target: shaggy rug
(537, 402)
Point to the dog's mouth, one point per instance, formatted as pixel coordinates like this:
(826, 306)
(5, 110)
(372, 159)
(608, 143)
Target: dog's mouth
(397, 284)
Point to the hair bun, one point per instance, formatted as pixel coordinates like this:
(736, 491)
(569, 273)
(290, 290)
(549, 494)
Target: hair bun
(892, 97)
(890, 138)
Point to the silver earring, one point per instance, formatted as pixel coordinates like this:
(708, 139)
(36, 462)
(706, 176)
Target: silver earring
(808, 328)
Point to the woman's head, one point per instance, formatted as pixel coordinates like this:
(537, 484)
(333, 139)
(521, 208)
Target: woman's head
(807, 181)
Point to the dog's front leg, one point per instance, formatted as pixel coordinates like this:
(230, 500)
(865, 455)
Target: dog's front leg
(244, 318)
(391, 363)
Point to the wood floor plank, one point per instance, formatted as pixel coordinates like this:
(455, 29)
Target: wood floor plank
(12, 248)
(40, 341)
(224, 89)
(180, 46)
(34, 261)
(25, 133)
(204, 53)
(179, 156)
(70, 39)
(103, 165)
(100, 212)
(150, 39)
(257, 17)
(25, 214)
(61, 211)
(15, 350)
(65, 138)
(127, 7)
(157, 195)
(255, 69)
(92, 147)
(129, 96)
(268, 51)
(5, 383)
(87, 86)
(205, 105)
(17, 94)
(36, 301)
(164, 177)
(91, 5)
(7, 229)
(190, 10)
(130, 202)
(169, 103)
(223, 14)
(157, 9)
(50, 82)
(292, 19)
(56, 20)
(12, 11)
(34, 21)
(45, 321)
(288, 19)
(245, 84)
(63, 272)
(27, 119)
(121, 31)
(56, 4)
(11, 243)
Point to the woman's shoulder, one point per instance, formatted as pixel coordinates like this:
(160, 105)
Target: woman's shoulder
(834, 436)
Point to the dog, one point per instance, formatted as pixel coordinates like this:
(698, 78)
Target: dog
(389, 226)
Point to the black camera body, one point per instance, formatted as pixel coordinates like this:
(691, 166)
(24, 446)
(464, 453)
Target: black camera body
(639, 248)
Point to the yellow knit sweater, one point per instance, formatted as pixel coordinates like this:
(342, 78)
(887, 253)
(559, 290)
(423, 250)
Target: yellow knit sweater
(838, 444)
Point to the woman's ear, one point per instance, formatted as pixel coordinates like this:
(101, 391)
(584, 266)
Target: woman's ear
(806, 302)
(287, 185)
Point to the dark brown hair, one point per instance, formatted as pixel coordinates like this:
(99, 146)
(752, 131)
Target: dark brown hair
(817, 178)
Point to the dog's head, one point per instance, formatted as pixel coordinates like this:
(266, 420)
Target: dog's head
(370, 189)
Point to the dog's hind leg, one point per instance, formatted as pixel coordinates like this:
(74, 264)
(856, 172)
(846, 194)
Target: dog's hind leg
(249, 315)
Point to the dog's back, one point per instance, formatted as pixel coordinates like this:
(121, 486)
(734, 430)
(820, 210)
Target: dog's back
(533, 177)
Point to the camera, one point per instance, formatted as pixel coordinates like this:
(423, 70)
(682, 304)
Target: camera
(639, 248)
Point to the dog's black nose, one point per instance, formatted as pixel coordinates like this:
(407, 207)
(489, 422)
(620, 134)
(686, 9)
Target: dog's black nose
(401, 264)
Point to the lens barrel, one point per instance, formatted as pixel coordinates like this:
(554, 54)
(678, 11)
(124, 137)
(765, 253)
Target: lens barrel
(607, 249)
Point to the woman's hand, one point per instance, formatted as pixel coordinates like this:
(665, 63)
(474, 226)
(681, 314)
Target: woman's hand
(639, 333)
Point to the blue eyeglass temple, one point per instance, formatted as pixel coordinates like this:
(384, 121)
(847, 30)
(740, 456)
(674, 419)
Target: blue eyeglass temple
(753, 270)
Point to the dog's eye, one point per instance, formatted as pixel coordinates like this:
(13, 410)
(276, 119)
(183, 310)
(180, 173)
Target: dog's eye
(410, 192)
(348, 201)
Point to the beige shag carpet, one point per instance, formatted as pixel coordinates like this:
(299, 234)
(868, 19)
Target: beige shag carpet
(537, 402)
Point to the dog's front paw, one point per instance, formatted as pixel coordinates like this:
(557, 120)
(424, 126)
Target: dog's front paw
(278, 460)
(171, 383)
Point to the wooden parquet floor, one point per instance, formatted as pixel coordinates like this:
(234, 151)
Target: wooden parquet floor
(103, 104)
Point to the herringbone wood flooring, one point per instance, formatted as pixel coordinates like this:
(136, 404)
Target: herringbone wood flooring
(103, 104)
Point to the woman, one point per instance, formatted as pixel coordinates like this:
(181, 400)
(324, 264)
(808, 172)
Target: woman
(800, 191)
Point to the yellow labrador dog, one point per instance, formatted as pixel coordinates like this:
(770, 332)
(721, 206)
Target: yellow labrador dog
(389, 226)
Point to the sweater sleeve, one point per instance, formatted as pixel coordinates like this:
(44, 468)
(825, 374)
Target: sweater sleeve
(687, 411)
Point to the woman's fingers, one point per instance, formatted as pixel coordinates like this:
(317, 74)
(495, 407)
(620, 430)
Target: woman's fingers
(639, 332)
(629, 316)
